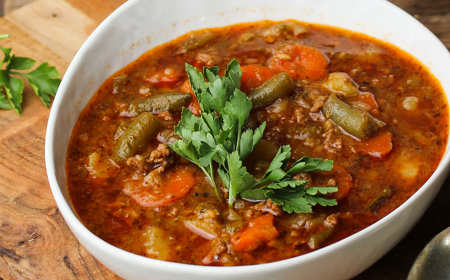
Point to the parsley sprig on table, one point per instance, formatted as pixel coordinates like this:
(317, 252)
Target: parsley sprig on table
(43, 79)
(218, 139)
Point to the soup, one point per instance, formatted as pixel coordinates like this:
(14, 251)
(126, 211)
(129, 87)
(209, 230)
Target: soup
(254, 143)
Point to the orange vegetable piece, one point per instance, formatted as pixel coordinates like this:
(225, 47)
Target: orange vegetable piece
(378, 146)
(258, 231)
(175, 185)
(301, 62)
(344, 182)
(369, 99)
(253, 76)
(193, 106)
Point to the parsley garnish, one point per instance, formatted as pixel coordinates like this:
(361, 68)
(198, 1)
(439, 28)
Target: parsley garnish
(217, 138)
(43, 80)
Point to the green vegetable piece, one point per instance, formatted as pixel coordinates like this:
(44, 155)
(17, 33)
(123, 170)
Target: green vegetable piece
(168, 101)
(136, 136)
(4, 36)
(354, 121)
(376, 203)
(196, 39)
(278, 86)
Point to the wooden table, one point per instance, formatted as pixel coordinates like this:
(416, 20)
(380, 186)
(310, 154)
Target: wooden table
(35, 242)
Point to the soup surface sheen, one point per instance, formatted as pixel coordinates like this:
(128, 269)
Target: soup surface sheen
(152, 202)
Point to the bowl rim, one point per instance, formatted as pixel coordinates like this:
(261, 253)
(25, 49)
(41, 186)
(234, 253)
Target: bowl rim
(77, 226)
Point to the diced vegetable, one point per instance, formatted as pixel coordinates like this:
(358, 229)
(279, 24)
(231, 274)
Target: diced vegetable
(278, 86)
(205, 222)
(156, 243)
(409, 170)
(365, 101)
(97, 167)
(354, 121)
(376, 203)
(168, 101)
(167, 77)
(247, 36)
(118, 83)
(196, 39)
(253, 76)
(344, 181)
(341, 84)
(258, 231)
(173, 186)
(136, 136)
(410, 103)
(378, 146)
(318, 238)
(322, 228)
(301, 62)
(280, 30)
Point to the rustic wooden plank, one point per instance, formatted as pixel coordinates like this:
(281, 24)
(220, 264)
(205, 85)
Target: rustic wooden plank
(54, 23)
(24, 45)
(97, 10)
(433, 14)
(35, 242)
(11, 5)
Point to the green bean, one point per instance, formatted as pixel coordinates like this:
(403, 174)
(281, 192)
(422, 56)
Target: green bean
(168, 101)
(354, 121)
(278, 86)
(136, 136)
(196, 39)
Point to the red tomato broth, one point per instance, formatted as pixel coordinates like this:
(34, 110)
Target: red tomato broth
(418, 142)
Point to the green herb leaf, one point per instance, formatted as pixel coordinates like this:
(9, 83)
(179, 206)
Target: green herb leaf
(4, 104)
(13, 88)
(308, 164)
(44, 81)
(21, 63)
(217, 138)
(6, 55)
(240, 179)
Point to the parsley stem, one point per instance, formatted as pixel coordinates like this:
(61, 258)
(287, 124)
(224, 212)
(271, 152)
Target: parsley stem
(210, 174)
(4, 36)
(17, 73)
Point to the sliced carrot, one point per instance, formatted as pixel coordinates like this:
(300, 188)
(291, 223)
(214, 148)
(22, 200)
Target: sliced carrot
(344, 182)
(193, 106)
(258, 231)
(175, 185)
(253, 76)
(377, 146)
(301, 62)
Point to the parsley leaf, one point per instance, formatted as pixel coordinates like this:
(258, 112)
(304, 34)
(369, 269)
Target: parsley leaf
(218, 139)
(43, 80)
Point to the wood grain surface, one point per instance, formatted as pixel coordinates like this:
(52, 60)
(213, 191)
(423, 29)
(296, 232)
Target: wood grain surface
(35, 242)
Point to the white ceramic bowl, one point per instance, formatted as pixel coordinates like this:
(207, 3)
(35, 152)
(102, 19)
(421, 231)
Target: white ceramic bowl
(140, 25)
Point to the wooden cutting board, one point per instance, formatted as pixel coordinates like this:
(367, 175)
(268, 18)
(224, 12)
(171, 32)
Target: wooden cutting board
(35, 242)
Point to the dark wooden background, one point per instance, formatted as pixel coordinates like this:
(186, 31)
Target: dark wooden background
(35, 243)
